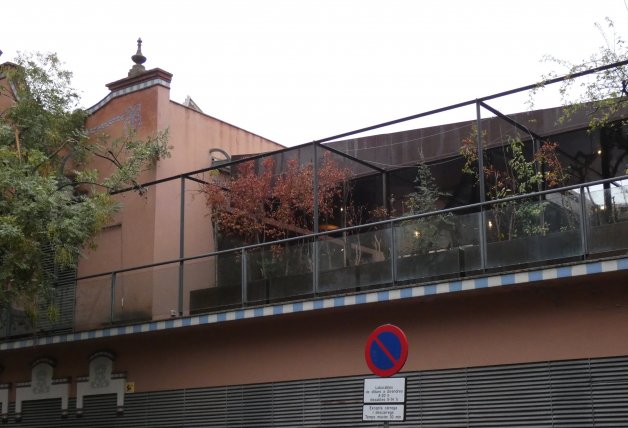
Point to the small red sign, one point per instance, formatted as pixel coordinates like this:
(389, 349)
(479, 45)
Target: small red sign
(386, 350)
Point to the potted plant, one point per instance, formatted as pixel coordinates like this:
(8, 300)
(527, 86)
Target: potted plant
(424, 244)
(530, 229)
(257, 204)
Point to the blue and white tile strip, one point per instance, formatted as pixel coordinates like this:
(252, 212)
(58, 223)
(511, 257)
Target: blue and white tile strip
(334, 302)
(127, 90)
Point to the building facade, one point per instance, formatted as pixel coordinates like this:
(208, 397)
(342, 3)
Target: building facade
(174, 323)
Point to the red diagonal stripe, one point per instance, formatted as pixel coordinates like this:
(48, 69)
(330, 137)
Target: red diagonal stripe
(388, 354)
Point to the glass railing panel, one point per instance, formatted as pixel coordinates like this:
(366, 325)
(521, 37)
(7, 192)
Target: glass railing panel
(53, 314)
(529, 231)
(437, 246)
(16, 322)
(518, 233)
(212, 283)
(146, 294)
(355, 259)
(93, 303)
(280, 271)
(199, 236)
(607, 219)
(5, 330)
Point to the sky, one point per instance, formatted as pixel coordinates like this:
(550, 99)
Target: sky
(298, 71)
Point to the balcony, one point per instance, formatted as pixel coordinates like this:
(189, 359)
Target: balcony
(322, 221)
(574, 225)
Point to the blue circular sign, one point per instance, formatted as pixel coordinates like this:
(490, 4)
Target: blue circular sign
(386, 350)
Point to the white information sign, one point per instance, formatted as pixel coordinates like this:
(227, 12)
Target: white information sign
(383, 412)
(385, 390)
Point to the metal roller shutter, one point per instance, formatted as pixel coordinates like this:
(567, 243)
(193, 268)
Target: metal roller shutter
(581, 393)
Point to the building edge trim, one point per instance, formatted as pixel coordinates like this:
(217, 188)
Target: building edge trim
(500, 280)
(127, 90)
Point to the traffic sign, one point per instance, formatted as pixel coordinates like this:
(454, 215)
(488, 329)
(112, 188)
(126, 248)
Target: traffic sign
(386, 350)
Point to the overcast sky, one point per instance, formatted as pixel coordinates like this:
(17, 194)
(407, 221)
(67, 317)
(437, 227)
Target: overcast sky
(296, 71)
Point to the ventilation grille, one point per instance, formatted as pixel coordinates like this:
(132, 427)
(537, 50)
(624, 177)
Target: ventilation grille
(584, 393)
(17, 323)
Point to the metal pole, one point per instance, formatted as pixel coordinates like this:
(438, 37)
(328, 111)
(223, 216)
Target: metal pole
(482, 225)
(480, 149)
(243, 275)
(583, 224)
(315, 187)
(386, 199)
(315, 261)
(181, 244)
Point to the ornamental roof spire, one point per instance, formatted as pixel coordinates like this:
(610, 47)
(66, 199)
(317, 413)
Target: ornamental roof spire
(138, 59)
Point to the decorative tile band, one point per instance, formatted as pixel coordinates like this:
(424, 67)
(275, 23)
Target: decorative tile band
(501, 280)
(128, 90)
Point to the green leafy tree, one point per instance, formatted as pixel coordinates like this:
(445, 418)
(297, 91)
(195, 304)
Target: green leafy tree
(50, 201)
(519, 176)
(426, 233)
(603, 96)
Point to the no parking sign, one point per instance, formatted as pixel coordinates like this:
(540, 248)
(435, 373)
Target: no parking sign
(386, 350)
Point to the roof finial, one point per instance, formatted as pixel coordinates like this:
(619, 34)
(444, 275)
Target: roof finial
(138, 59)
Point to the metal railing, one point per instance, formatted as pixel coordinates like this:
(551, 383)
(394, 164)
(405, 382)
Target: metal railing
(457, 242)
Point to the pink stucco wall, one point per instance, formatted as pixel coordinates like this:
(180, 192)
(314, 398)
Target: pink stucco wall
(554, 320)
(147, 228)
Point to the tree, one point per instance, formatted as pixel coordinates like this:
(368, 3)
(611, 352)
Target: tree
(604, 97)
(519, 177)
(256, 205)
(604, 94)
(259, 206)
(51, 202)
(425, 233)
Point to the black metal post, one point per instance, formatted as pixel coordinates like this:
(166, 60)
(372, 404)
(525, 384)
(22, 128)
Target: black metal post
(243, 276)
(315, 261)
(584, 221)
(480, 149)
(386, 199)
(315, 187)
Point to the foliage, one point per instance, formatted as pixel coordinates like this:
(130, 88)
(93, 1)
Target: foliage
(606, 93)
(366, 244)
(519, 177)
(48, 202)
(257, 206)
(603, 96)
(424, 232)
(426, 194)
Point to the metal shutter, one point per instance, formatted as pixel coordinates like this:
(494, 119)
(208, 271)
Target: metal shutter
(580, 393)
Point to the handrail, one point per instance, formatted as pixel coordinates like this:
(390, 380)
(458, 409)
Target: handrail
(391, 221)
